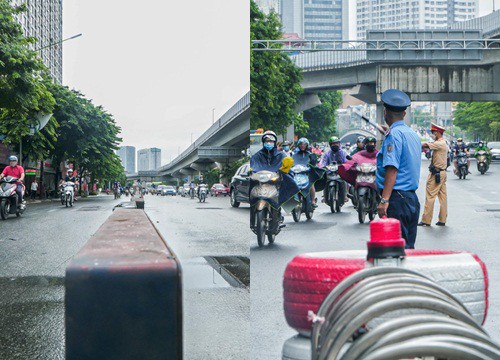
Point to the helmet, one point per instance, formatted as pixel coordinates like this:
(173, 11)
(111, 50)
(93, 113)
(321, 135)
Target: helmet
(333, 139)
(360, 139)
(287, 143)
(269, 135)
(13, 158)
(369, 139)
(70, 170)
(460, 139)
(303, 140)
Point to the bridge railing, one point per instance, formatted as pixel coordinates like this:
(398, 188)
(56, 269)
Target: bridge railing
(240, 106)
(488, 24)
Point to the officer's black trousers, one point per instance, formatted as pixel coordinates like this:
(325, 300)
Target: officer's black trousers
(404, 206)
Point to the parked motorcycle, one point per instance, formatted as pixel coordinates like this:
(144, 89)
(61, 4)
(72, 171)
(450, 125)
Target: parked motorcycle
(462, 165)
(482, 161)
(300, 175)
(335, 189)
(69, 193)
(9, 202)
(265, 194)
(202, 192)
(365, 194)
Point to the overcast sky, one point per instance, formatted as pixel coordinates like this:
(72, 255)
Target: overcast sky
(159, 66)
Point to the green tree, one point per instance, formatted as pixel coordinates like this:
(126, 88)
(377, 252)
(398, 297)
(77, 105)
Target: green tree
(321, 119)
(274, 79)
(480, 120)
(87, 135)
(421, 118)
(23, 94)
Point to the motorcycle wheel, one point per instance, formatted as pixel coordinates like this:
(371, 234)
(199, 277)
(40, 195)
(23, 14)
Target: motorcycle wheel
(309, 213)
(203, 198)
(271, 238)
(296, 213)
(464, 173)
(371, 216)
(261, 226)
(333, 202)
(67, 202)
(361, 211)
(4, 210)
(62, 200)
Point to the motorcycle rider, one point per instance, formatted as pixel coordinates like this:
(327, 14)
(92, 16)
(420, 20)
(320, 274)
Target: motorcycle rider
(286, 148)
(270, 158)
(17, 172)
(71, 177)
(460, 146)
(306, 158)
(482, 147)
(334, 154)
(360, 145)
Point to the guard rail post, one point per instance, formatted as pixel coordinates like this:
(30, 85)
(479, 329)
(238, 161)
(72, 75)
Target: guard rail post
(123, 294)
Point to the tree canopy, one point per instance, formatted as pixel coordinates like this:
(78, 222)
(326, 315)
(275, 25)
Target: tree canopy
(479, 119)
(321, 119)
(274, 79)
(23, 94)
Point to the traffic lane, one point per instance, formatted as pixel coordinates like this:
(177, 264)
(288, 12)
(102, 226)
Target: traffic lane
(47, 235)
(327, 232)
(216, 315)
(195, 229)
(36, 249)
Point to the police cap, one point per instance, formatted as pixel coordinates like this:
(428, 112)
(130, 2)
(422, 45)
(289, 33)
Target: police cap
(395, 100)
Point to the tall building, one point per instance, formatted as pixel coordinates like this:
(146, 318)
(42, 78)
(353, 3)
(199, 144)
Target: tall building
(316, 19)
(411, 14)
(43, 20)
(148, 159)
(127, 156)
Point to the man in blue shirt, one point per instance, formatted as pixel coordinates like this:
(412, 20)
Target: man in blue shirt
(398, 167)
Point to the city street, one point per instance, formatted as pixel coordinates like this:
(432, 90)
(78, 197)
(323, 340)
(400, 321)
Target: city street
(473, 225)
(37, 247)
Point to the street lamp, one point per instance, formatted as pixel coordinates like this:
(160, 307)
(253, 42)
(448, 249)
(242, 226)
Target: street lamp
(59, 42)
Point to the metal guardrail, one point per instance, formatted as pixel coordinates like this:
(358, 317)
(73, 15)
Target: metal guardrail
(443, 327)
(235, 110)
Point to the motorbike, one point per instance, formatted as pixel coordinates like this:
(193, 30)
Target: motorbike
(335, 189)
(69, 193)
(117, 193)
(462, 165)
(265, 193)
(365, 194)
(300, 175)
(202, 192)
(127, 192)
(9, 202)
(482, 162)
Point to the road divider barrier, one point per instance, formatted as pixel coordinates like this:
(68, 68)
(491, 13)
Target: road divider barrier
(123, 293)
(350, 305)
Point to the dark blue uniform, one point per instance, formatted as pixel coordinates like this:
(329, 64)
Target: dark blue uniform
(401, 149)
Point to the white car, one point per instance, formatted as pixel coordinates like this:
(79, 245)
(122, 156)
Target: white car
(495, 149)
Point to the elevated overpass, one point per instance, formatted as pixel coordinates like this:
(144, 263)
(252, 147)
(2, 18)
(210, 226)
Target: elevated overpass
(222, 143)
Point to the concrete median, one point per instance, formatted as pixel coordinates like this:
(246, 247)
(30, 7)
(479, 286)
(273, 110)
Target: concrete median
(123, 294)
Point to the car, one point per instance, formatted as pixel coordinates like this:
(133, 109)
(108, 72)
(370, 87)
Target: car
(219, 189)
(159, 189)
(169, 190)
(472, 145)
(185, 190)
(495, 149)
(239, 189)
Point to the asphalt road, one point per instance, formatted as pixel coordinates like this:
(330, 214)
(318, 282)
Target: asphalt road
(37, 247)
(35, 250)
(216, 314)
(473, 225)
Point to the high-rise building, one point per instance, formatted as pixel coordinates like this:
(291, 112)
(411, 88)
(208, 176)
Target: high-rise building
(43, 20)
(127, 156)
(411, 14)
(316, 19)
(148, 159)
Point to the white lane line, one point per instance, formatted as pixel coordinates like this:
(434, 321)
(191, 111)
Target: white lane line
(52, 210)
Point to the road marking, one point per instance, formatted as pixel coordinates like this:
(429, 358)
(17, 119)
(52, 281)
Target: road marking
(52, 210)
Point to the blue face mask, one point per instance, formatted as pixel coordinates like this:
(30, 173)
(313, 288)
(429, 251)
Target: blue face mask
(287, 148)
(269, 146)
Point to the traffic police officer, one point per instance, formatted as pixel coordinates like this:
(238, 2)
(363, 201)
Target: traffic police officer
(436, 181)
(398, 167)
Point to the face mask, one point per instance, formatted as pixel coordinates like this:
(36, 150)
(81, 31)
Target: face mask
(370, 148)
(335, 148)
(269, 146)
(287, 148)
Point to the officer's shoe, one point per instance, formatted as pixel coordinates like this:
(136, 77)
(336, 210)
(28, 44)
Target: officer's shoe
(439, 223)
(423, 224)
